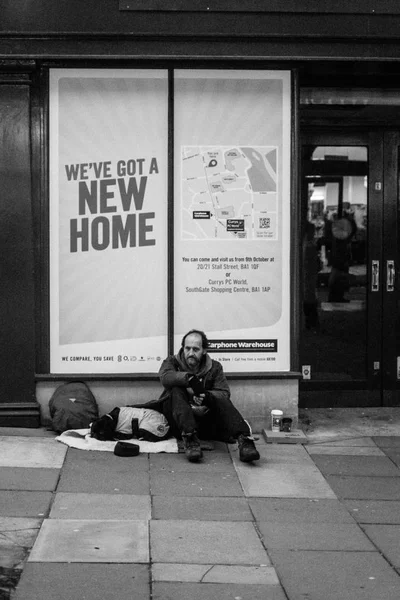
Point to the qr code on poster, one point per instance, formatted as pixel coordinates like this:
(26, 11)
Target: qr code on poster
(265, 223)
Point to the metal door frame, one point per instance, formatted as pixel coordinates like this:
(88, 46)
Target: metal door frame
(390, 269)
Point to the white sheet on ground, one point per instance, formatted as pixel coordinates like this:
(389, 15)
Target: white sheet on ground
(80, 439)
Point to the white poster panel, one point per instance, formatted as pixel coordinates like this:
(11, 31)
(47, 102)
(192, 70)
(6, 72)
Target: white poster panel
(108, 220)
(232, 141)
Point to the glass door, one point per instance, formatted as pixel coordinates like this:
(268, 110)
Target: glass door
(349, 210)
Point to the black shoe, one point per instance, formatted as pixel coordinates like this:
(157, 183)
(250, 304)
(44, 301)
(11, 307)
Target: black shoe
(192, 447)
(247, 449)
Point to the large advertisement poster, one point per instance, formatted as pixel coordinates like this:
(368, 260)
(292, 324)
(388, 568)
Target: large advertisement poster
(108, 220)
(232, 143)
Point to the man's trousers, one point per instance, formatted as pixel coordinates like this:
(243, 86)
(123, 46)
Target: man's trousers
(222, 422)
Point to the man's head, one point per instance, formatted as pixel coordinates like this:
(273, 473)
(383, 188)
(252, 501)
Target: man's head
(194, 345)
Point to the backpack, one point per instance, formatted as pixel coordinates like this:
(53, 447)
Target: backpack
(72, 406)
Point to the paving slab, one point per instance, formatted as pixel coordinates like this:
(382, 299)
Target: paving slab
(69, 581)
(95, 458)
(21, 434)
(215, 573)
(17, 536)
(282, 472)
(212, 591)
(238, 574)
(39, 453)
(177, 572)
(25, 504)
(201, 509)
(28, 479)
(103, 472)
(92, 541)
(333, 575)
(314, 536)
(211, 462)
(365, 488)
(101, 506)
(374, 511)
(387, 539)
(27, 432)
(202, 483)
(201, 542)
(344, 450)
(370, 466)
(345, 442)
(299, 510)
(387, 441)
(394, 455)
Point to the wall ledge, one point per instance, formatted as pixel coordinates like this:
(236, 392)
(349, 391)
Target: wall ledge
(20, 414)
(49, 377)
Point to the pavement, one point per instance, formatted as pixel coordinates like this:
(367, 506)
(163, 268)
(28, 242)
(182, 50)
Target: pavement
(313, 521)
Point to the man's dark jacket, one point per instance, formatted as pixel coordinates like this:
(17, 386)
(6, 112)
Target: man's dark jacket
(174, 373)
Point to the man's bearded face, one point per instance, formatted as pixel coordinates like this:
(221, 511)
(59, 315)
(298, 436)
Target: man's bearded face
(193, 350)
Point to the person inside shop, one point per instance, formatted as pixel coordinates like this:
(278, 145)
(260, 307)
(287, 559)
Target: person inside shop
(196, 400)
(343, 230)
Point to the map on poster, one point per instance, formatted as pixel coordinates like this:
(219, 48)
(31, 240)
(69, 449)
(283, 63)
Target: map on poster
(229, 193)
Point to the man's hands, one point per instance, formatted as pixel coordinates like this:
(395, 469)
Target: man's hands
(198, 400)
(197, 403)
(199, 394)
(197, 386)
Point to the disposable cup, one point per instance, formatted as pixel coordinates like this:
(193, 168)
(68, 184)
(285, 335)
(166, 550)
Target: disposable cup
(276, 419)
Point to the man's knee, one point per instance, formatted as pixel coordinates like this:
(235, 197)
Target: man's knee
(179, 395)
(223, 404)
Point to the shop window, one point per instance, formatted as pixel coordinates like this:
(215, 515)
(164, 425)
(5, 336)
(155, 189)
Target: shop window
(117, 303)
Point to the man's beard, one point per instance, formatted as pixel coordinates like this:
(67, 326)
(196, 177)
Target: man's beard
(193, 362)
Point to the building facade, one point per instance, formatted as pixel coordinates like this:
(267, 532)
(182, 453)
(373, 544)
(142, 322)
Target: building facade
(232, 167)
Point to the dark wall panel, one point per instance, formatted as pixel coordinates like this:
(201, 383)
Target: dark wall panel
(326, 18)
(286, 6)
(17, 337)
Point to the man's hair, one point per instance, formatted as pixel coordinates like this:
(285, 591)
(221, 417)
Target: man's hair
(204, 340)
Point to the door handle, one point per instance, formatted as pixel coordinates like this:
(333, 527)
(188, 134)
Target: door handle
(390, 275)
(375, 276)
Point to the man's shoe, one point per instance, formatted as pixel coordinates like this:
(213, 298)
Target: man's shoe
(192, 447)
(247, 449)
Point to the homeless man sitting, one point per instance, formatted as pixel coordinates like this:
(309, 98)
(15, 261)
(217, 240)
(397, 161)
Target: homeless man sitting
(196, 400)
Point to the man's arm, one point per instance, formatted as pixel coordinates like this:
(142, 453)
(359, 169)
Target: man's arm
(170, 376)
(217, 386)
